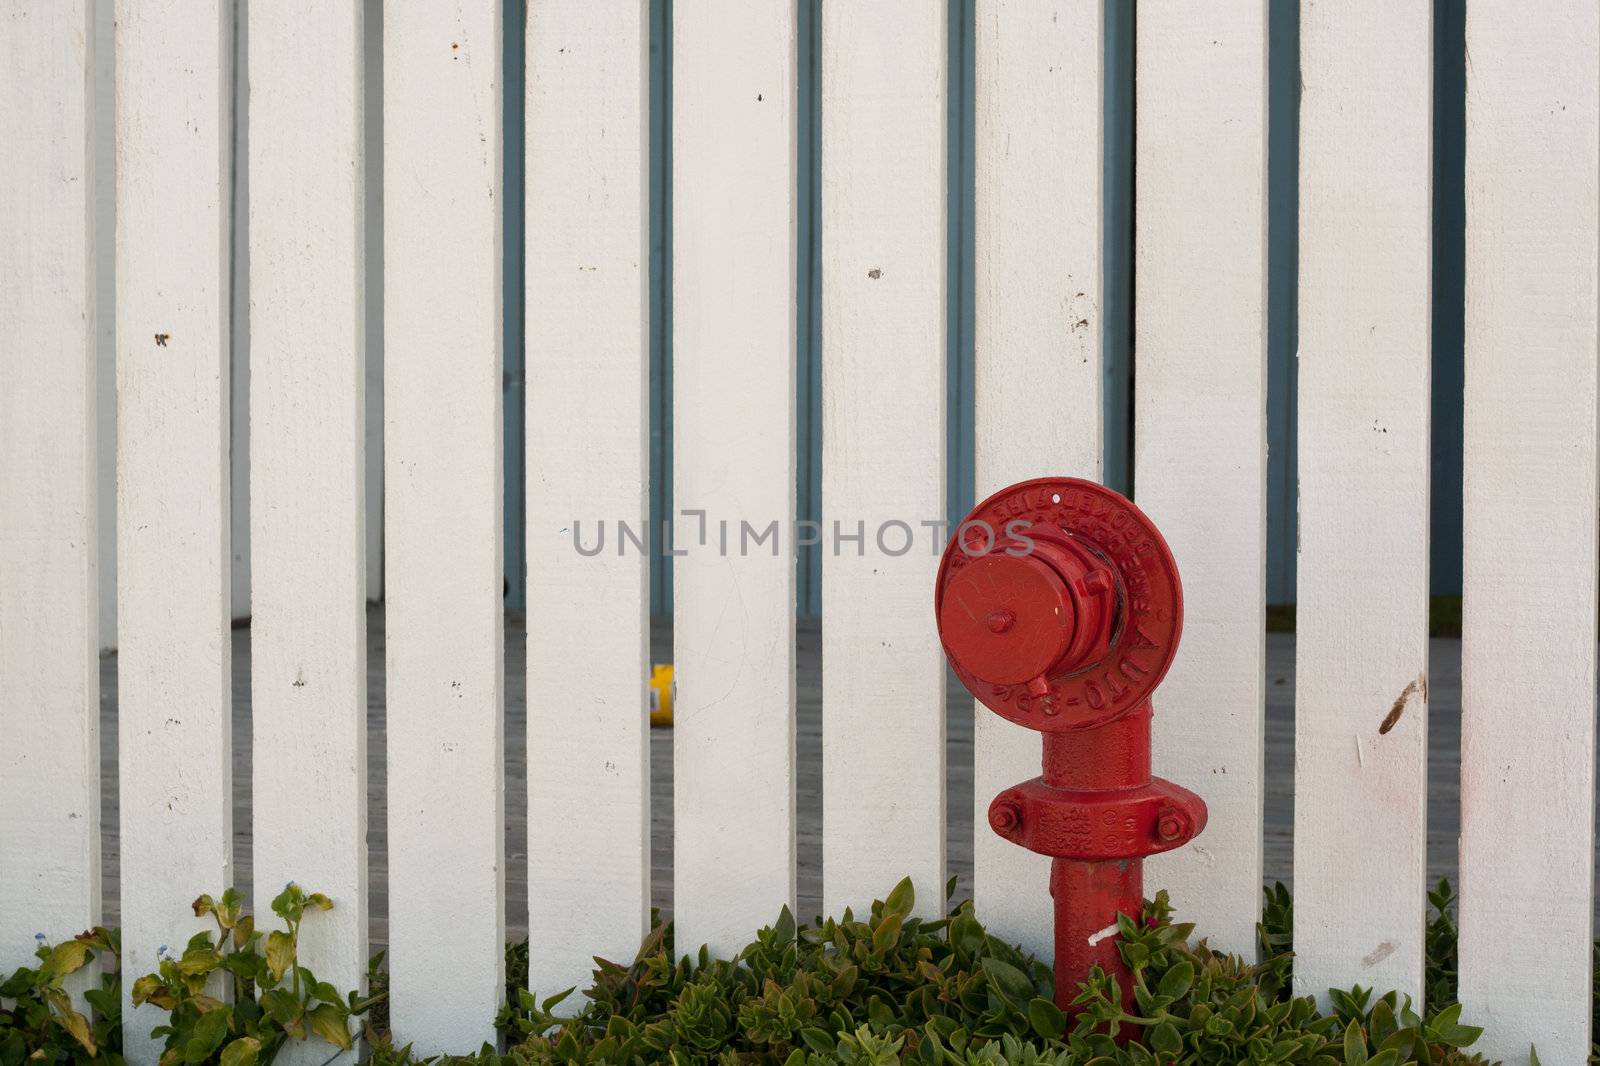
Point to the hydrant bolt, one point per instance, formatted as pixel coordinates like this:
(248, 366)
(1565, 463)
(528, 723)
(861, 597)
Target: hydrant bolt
(1171, 825)
(1065, 622)
(1005, 817)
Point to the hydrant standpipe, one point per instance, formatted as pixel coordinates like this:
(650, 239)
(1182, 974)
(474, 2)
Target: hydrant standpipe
(1059, 607)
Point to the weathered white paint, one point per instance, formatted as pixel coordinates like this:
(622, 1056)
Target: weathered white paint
(49, 666)
(307, 411)
(1361, 721)
(1037, 336)
(1528, 626)
(173, 97)
(443, 543)
(733, 285)
(106, 403)
(587, 470)
(1200, 427)
(883, 439)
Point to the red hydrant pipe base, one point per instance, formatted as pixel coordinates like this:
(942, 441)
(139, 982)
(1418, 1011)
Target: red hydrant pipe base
(1060, 608)
(1088, 897)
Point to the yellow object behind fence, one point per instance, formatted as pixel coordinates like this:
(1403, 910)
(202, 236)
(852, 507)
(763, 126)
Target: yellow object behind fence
(661, 694)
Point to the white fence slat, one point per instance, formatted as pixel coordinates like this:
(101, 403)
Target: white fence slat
(1361, 685)
(587, 471)
(883, 437)
(1528, 626)
(1037, 343)
(1200, 427)
(443, 535)
(307, 454)
(49, 602)
(174, 67)
(733, 101)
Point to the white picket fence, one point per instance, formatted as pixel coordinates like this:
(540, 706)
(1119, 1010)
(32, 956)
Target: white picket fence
(1529, 646)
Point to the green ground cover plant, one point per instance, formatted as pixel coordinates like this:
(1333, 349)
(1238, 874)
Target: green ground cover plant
(886, 988)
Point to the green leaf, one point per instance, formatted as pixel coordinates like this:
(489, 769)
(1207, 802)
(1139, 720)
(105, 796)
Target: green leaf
(280, 952)
(887, 935)
(66, 957)
(1355, 1045)
(902, 899)
(150, 988)
(1009, 981)
(281, 1006)
(783, 928)
(818, 1040)
(208, 1035)
(1175, 983)
(1165, 1038)
(241, 1052)
(551, 1002)
(1382, 1022)
(328, 1022)
(1448, 1030)
(1047, 1019)
(78, 1027)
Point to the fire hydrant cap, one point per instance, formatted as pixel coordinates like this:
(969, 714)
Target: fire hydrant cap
(1006, 619)
(1091, 669)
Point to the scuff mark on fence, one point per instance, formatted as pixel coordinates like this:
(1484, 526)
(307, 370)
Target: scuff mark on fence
(1413, 688)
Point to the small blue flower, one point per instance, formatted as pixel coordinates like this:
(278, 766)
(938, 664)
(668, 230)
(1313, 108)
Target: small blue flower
(38, 936)
(161, 952)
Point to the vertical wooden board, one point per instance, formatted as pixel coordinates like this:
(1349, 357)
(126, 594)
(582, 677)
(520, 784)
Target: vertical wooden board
(1361, 692)
(1038, 270)
(442, 512)
(49, 601)
(1200, 427)
(173, 107)
(307, 453)
(883, 433)
(733, 286)
(1528, 624)
(588, 337)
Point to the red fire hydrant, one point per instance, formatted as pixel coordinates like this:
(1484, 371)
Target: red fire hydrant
(1059, 607)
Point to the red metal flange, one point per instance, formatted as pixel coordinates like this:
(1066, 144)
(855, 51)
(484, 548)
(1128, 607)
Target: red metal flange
(1059, 606)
